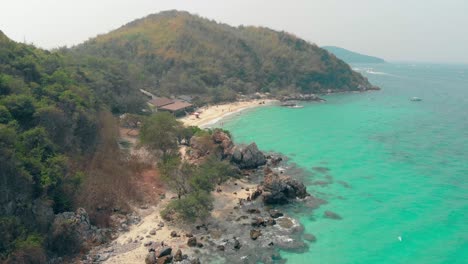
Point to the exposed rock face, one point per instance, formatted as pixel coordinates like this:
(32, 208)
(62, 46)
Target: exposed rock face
(280, 189)
(224, 141)
(248, 157)
(76, 226)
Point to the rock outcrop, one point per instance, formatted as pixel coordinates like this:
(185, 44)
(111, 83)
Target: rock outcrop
(76, 227)
(248, 157)
(281, 189)
(224, 141)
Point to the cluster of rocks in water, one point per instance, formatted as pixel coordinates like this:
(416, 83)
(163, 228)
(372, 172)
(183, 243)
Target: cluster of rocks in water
(253, 231)
(301, 97)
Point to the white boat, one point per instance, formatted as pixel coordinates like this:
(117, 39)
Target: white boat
(415, 99)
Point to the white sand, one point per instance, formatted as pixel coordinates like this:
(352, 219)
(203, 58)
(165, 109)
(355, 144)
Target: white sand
(224, 203)
(214, 113)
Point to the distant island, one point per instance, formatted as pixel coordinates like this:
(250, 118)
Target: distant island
(351, 56)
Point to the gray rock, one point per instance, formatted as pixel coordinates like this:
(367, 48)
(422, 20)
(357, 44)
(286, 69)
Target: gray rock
(257, 222)
(248, 157)
(165, 252)
(275, 213)
(237, 244)
(281, 189)
(152, 232)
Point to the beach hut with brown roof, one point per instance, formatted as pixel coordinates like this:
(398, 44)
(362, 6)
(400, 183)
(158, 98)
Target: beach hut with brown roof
(177, 107)
(159, 102)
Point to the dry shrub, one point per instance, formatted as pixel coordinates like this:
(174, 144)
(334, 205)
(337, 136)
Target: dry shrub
(28, 255)
(109, 183)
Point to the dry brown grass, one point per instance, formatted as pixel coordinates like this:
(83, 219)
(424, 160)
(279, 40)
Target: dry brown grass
(111, 176)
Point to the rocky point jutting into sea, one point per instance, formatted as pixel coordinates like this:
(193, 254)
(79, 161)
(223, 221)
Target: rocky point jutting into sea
(247, 224)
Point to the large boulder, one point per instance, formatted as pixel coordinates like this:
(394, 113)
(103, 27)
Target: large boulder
(151, 257)
(224, 141)
(166, 251)
(248, 157)
(72, 232)
(281, 189)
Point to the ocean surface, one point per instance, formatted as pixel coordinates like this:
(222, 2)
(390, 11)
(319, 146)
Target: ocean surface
(394, 168)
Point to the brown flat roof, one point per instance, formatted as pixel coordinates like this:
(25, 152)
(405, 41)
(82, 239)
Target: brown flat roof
(176, 106)
(161, 101)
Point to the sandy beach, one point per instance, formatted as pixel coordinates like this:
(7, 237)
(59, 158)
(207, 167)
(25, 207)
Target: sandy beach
(213, 113)
(130, 247)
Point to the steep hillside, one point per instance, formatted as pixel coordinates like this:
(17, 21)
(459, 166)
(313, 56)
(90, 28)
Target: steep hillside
(176, 52)
(352, 57)
(55, 143)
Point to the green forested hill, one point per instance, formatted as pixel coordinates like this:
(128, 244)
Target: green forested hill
(57, 137)
(54, 129)
(352, 57)
(176, 52)
(46, 116)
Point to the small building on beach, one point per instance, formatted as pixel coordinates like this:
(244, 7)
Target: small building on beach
(158, 102)
(177, 107)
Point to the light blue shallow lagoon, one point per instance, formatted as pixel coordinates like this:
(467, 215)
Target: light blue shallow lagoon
(397, 168)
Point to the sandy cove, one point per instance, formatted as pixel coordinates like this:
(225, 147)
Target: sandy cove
(212, 114)
(130, 247)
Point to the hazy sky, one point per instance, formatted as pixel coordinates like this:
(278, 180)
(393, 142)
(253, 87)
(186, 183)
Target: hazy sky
(410, 30)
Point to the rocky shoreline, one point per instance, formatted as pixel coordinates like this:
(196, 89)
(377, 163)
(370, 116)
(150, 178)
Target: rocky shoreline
(247, 225)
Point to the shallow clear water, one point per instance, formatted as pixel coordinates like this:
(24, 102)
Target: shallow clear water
(398, 168)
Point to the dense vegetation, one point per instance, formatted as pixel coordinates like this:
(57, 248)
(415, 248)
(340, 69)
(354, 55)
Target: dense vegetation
(178, 53)
(58, 129)
(162, 133)
(55, 135)
(352, 57)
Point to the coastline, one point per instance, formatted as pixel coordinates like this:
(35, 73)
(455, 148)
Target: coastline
(233, 219)
(210, 115)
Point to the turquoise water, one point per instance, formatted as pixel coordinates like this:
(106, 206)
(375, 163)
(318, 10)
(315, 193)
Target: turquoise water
(397, 168)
